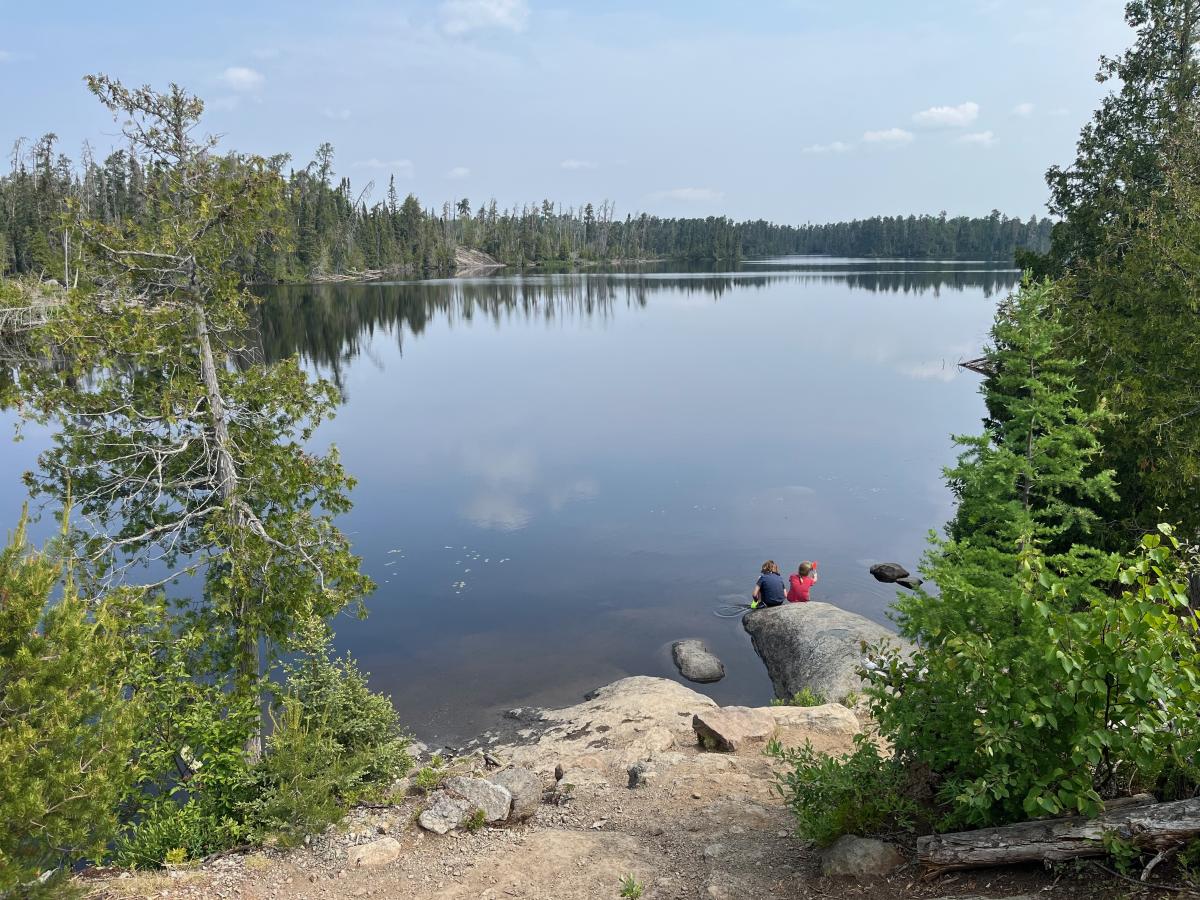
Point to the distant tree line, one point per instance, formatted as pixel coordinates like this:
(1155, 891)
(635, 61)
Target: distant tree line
(328, 229)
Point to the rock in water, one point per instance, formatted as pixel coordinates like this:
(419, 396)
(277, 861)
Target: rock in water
(814, 645)
(376, 853)
(494, 799)
(730, 728)
(696, 662)
(526, 790)
(444, 813)
(888, 572)
(855, 857)
(912, 582)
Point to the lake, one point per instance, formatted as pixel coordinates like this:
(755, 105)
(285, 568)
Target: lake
(559, 475)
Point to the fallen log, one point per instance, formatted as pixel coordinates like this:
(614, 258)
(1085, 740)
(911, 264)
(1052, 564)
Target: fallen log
(1147, 826)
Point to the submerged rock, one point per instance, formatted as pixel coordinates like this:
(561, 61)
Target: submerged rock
(912, 582)
(696, 662)
(815, 646)
(889, 572)
(854, 857)
(730, 728)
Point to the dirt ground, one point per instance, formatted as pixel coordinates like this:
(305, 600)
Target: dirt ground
(705, 825)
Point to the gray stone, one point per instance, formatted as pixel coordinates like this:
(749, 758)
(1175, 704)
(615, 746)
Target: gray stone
(730, 728)
(696, 662)
(444, 813)
(912, 582)
(525, 788)
(493, 799)
(888, 572)
(814, 645)
(376, 853)
(640, 774)
(855, 857)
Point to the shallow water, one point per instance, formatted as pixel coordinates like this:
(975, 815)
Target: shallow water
(559, 475)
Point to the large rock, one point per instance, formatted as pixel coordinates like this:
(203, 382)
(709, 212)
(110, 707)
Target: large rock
(696, 662)
(912, 582)
(855, 857)
(493, 799)
(829, 718)
(525, 788)
(444, 813)
(376, 853)
(813, 645)
(730, 728)
(888, 572)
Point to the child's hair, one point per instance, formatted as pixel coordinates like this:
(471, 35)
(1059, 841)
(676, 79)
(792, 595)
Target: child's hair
(769, 568)
(804, 569)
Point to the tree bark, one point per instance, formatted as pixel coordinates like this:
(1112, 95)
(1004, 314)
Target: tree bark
(249, 661)
(1151, 827)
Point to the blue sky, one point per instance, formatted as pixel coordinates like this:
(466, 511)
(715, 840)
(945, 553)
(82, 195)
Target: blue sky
(792, 110)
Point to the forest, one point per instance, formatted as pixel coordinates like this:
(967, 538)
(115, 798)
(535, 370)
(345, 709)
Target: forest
(330, 229)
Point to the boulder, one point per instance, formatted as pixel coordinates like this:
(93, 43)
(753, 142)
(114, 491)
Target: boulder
(730, 728)
(376, 853)
(814, 645)
(525, 788)
(912, 582)
(640, 775)
(829, 718)
(888, 572)
(444, 813)
(696, 662)
(855, 857)
(494, 799)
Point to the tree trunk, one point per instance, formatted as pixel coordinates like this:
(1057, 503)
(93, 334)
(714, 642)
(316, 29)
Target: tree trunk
(249, 662)
(1149, 827)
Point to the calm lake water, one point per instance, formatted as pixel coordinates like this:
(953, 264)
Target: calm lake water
(559, 475)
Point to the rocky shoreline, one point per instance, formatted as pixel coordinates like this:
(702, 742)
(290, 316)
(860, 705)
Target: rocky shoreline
(644, 779)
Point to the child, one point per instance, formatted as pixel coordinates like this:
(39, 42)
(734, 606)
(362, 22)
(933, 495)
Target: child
(802, 582)
(769, 589)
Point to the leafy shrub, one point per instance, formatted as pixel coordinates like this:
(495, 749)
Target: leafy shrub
(333, 696)
(861, 792)
(631, 888)
(429, 778)
(65, 723)
(166, 830)
(802, 697)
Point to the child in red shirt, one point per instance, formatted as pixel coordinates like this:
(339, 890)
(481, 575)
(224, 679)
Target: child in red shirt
(802, 582)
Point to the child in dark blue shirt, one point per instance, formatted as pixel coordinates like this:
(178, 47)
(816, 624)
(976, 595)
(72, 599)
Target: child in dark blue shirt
(769, 590)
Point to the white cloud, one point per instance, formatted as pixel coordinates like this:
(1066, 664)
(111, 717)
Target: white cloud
(889, 136)
(573, 164)
(978, 138)
(338, 115)
(458, 172)
(395, 166)
(242, 78)
(1024, 110)
(832, 147)
(461, 16)
(948, 116)
(688, 194)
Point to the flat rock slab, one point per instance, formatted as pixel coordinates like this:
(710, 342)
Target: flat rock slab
(493, 799)
(730, 728)
(855, 857)
(815, 646)
(829, 718)
(696, 662)
(376, 853)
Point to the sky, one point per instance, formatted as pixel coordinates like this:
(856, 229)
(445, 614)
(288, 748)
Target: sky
(789, 110)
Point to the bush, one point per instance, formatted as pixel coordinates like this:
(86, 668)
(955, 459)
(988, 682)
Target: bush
(65, 724)
(861, 792)
(802, 697)
(166, 830)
